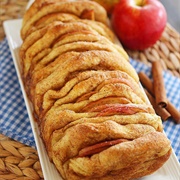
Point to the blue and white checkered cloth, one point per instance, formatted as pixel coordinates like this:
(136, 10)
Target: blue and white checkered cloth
(14, 121)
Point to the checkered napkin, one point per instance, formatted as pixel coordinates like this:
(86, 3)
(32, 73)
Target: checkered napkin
(14, 120)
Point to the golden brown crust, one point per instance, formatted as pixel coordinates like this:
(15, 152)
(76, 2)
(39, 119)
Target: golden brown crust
(76, 137)
(94, 60)
(134, 157)
(47, 38)
(73, 7)
(87, 87)
(93, 115)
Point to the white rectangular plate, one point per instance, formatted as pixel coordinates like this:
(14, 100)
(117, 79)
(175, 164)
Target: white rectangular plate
(170, 170)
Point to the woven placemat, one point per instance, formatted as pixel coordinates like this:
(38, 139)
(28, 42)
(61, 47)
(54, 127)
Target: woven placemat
(18, 161)
(10, 9)
(167, 50)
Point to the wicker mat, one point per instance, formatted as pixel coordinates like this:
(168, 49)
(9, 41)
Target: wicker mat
(10, 9)
(18, 161)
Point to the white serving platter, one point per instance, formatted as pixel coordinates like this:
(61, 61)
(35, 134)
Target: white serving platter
(169, 171)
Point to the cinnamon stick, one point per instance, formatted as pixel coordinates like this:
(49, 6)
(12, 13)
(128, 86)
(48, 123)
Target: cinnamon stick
(174, 112)
(158, 84)
(147, 83)
(160, 111)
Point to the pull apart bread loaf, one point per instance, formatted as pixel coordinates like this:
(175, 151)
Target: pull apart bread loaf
(93, 116)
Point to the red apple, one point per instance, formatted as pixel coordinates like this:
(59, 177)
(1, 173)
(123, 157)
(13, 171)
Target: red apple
(139, 23)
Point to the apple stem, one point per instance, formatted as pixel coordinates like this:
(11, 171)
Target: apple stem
(140, 2)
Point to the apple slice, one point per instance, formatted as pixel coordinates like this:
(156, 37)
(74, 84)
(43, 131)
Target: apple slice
(90, 150)
(85, 96)
(114, 109)
(88, 14)
(104, 101)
